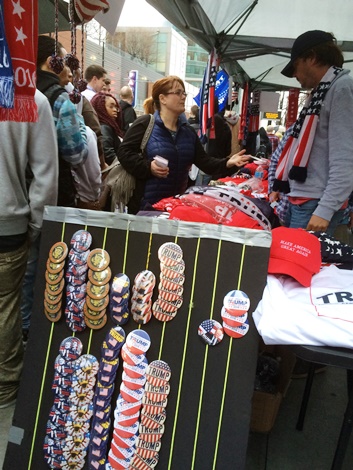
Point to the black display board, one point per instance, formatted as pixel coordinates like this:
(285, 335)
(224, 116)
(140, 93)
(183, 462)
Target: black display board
(209, 406)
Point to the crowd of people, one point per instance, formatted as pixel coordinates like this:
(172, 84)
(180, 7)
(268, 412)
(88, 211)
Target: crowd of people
(80, 136)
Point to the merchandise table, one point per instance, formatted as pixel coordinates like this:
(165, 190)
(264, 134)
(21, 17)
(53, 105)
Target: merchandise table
(209, 406)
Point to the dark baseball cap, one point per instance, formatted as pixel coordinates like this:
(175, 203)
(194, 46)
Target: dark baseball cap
(303, 43)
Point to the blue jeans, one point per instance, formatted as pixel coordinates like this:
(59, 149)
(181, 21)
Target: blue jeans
(28, 284)
(12, 269)
(298, 216)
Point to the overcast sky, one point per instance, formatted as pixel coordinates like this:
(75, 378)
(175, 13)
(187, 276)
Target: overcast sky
(140, 13)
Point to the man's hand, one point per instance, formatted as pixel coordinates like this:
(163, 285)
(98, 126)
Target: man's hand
(274, 196)
(238, 159)
(317, 224)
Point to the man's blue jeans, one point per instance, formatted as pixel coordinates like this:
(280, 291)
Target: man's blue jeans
(28, 284)
(298, 216)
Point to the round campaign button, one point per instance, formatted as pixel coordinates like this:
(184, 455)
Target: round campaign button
(152, 421)
(133, 383)
(127, 408)
(52, 308)
(120, 284)
(142, 320)
(136, 371)
(118, 464)
(126, 431)
(147, 450)
(124, 453)
(97, 292)
(81, 240)
(70, 348)
(131, 395)
(97, 304)
(157, 393)
(78, 258)
(151, 435)
(54, 278)
(232, 320)
(54, 268)
(138, 341)
(236, 302)
(131, 358)
(236, 331)
(141, 463)
(58, 252)
(158, 373)
(53, 317)
(119, 318)
(211, 332)
(153, 407)
(170, 254)
(52, 298)
(124, 442)
(96, 324)
(145, 279)
(98, 260)
(93, 314)
(100, 277)
(55, 289)
(115, 337)
(126, 420)
(173, 271)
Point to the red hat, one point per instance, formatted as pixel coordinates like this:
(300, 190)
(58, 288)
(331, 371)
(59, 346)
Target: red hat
(295, 252)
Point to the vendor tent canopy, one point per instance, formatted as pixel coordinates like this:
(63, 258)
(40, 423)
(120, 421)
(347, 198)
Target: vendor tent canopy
(254, 38)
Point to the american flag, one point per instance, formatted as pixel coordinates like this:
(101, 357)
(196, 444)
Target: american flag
(208, 97)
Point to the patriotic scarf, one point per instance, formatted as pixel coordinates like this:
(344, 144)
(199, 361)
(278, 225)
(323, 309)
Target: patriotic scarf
(294, 159)
(6, 78)
(21, 27)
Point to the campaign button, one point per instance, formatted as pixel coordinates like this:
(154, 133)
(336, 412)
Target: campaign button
(141, 309)
(211, 332)
(58, 252)
(108, 367)
(97, 292)
(78, 259)
(79, 398)
(120, 319)
(236, 302)
(141, 463)
(86, 366)
(157, 393)
(62, 366)
(151, 435)
(170, 287)
(142, 320)
(53, 317)
(232, 320)
(54, 268)
(130, 395)
(100, 428)
(52, 309)
(121, 284)
(152, 421)
(171, 297)
(127, 408)
(109, 353)
(132, 383)
(55, 289)
(236, 331)
(126, 431)
(153, 407)
(115, 337)
(126, 420)
(100, 277)
(104, 392)
(103, 415)
(138, 341)
(172, 272)
(116, 463)
(81, 240)
(158, 373)
(145, 278)
(54, 278)
(170, 254)
(136, 371)
(52, 299)
(162, 315)
(96, 324)
(98, 441)
(131, 358)
(98, 259)
(147, 450)
(76, 292)
(97, 304)
(170, 306)
(124, 453)
(124, 442)
(141, 297)
(179, 279)
(70, 348)
(93, 314)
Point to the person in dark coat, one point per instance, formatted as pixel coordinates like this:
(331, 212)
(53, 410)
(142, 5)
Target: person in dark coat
(171, 138)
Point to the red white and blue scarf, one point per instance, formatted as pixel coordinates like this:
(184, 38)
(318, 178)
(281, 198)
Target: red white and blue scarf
(294, 159)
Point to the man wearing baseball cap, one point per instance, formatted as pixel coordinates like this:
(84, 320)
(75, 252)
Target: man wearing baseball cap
(316, 164)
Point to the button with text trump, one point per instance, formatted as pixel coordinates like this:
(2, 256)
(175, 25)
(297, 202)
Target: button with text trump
(236, 302)
(138, 341)
(170, 254)
(139, 463)
(154, 420)
(236, 331)
(158, 373)
(157, 393)
(147, 450)
(210, 332)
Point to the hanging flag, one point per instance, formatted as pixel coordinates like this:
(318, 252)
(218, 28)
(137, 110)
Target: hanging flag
(208, 97)
(221, 91)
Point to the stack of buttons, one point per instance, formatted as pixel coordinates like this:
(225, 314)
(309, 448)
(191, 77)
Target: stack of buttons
(170, 288)
(235, 313)
(119, 299)
(76, 276)
(76, 442)
(127, 411)
(101, 422)
(55, 282)
(97, 295)
(141, 300)
(69, 351)
(153, 415)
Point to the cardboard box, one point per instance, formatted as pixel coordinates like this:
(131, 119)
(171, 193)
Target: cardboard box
(265, 406)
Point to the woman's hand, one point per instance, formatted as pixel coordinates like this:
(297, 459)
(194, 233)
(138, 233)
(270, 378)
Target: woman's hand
(159, 171)
(274, 196)
(238, 159)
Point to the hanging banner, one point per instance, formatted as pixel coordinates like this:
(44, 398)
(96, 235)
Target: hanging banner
(292, 106)
(133, 77)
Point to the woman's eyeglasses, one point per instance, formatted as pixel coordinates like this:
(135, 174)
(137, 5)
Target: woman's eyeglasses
(178, 93)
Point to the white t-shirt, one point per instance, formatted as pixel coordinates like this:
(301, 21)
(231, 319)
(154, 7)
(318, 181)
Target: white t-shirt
(320, 315)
